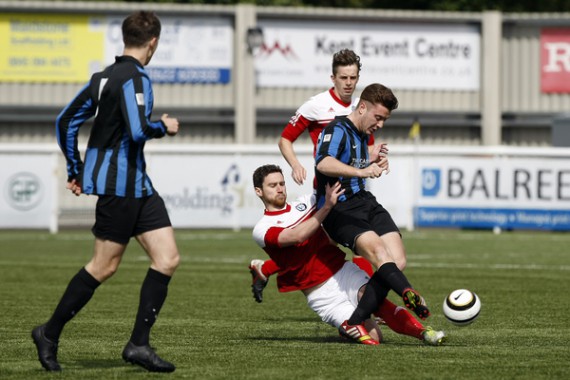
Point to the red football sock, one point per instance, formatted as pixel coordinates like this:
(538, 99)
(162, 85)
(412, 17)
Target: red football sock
(269, 267)
(363, 264)
(400, 320)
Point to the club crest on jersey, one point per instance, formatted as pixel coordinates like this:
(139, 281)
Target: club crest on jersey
(301, 207)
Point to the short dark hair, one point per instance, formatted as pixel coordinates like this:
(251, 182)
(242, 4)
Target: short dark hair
(345, 57)
(263, 171)
(139, 28)
(376, 93)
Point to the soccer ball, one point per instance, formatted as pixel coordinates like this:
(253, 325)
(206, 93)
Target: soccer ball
(461, 307)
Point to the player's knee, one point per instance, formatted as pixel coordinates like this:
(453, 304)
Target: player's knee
(102, 272)
(382, 254)
(174, 262)
(168, 263)
(110, 271)
(401, 263)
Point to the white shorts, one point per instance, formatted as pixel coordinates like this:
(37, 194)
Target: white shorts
(336, 299)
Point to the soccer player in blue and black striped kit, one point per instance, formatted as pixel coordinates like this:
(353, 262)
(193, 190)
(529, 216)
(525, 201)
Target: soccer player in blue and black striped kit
(358, 221)
(121, 100)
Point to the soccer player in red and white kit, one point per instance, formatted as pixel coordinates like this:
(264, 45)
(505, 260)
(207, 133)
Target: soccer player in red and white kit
(291, 234)
(312, 117)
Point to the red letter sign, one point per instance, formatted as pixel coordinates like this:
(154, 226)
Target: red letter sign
(555, 60)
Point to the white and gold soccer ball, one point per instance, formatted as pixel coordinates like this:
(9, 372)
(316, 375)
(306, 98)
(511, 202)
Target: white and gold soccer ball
(461, 307)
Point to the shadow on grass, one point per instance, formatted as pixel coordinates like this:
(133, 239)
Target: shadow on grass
(102, 363)
(340, 340)
(308, 339)
(274, 319)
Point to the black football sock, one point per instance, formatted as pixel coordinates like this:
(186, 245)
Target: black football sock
(393, 278)
(374, 294)
(153, 293)
(78, 293)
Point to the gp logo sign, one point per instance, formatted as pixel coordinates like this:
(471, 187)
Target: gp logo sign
(23, 191)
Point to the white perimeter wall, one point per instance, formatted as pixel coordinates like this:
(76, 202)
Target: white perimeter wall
(210, 186)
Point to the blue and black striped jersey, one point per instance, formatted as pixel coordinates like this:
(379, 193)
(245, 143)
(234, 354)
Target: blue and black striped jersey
(121, 100)
(342, 140)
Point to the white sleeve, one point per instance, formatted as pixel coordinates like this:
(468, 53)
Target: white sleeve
(309, 110)
(308, 199)
(259, 232)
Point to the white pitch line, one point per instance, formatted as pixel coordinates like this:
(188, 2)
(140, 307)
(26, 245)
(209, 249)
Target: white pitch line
(477, 236)
(244, 259)
(203, 259)
(89, 236)
(492, 266)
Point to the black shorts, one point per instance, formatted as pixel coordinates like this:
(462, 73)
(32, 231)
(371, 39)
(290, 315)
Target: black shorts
(358, 214)
(119, 218)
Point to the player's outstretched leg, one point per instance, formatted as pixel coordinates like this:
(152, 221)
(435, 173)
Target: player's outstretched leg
(146, 358)
(401, 321)
(47, 350)
(258, 280)
(356, 333)
(415, 302)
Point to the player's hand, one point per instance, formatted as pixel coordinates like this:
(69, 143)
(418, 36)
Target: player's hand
(371, 171)
(378, 152)
(74, 186)
(384, 165)
(332, 193)
(299, 174)
(171, 124)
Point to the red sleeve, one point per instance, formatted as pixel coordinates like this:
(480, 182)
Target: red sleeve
(295, 128)
(272, 237)
(371, 140)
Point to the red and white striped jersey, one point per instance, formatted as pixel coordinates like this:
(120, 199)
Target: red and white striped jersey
(304, 265)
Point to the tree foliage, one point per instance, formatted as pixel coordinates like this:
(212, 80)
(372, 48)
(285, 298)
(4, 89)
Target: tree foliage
(435, 5)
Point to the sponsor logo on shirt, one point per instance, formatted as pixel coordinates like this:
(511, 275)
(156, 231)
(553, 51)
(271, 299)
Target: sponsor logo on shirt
(359, 163)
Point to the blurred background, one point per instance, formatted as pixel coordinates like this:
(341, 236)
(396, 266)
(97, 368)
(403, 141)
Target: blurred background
(480, 139)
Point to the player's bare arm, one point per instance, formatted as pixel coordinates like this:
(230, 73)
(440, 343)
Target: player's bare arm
(298, 172)
(297, 235)
(332, 167)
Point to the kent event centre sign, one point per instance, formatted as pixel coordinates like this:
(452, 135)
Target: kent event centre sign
(404, 56)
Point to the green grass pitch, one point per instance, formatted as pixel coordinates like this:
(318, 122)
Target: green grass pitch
(211, 328)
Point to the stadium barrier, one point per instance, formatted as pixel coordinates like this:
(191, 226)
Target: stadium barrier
(210, 186)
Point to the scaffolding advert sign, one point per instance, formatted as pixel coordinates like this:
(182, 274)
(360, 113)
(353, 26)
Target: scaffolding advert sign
(50, 48)
(70, 48)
